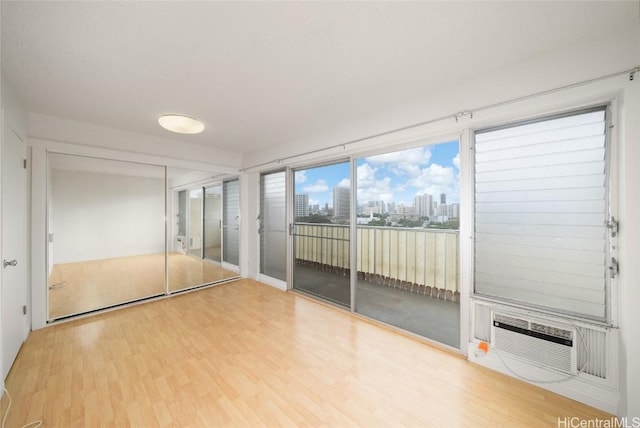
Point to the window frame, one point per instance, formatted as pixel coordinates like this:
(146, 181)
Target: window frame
(611, 210)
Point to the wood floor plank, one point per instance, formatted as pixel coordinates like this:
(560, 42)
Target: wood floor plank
(245, 354)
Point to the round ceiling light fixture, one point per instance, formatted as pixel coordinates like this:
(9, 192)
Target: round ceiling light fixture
(181, 124)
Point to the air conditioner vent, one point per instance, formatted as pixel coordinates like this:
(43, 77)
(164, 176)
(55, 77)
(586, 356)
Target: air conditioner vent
(535, 341)
(482, 322)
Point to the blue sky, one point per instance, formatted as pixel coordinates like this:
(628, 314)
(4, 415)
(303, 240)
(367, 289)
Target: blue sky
(391, 177)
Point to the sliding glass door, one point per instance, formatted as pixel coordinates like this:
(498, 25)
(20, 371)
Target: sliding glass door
(406, 250)
(407, 240)
(321, 244)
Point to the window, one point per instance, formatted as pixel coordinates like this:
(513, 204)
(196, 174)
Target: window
(541, 211)
(273, 225)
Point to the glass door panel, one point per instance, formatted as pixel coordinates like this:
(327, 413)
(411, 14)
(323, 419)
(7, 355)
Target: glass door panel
(321, 248)
(106, 228)
(407, 240)
(213, 223)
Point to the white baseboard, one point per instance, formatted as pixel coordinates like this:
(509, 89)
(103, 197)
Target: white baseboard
(277, 283)
(232, 268)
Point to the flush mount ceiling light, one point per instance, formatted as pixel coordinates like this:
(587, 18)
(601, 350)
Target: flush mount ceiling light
(181, 124)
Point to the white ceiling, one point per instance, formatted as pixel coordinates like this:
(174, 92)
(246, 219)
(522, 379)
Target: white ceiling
(262, 73)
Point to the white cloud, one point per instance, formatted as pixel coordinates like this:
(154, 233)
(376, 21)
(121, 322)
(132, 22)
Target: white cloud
(437, 179)
(404, 162)
(317, 187)
(345, 182)
(301, 177)
(456, 161)
(372, 189)
(314, 202)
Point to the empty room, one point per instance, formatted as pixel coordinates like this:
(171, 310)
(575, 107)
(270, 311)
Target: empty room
(333, 213)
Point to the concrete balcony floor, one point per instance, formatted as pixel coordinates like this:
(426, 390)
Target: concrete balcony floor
(426, 316)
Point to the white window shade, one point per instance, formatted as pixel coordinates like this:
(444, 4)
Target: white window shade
(273, 236)
(540, 213)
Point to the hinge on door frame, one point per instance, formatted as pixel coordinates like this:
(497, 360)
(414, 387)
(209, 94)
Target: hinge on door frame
(612, 225)
(292, 229)
(24, 163)
(614, 269)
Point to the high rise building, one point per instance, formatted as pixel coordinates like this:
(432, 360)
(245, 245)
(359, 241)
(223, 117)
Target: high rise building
(443, 199)
(374, 207)
(341, 202)
(391, 207)
(423, 205)
(454, 211)
(443, 210)
(302, 205)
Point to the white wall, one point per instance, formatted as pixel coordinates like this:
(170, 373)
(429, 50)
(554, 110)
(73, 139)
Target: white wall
(564, 67)
(98, 216)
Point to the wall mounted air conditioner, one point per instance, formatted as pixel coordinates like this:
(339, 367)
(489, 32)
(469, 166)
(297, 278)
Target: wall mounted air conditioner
(535, 340)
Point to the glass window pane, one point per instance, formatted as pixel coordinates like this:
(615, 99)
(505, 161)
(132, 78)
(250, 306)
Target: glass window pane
(407, 248)
(321, 244)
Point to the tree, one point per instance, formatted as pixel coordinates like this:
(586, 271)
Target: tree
(377, 222)
(314, 218)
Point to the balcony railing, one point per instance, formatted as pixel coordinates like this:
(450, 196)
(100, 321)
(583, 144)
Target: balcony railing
(423, 261)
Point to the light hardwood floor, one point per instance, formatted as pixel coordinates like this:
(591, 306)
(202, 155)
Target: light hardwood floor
(84, 286)
(245, 354)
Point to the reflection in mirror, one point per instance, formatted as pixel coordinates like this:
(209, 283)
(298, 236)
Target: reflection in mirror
(196, 240)
(194, 220)
(231, 222)
(106, 228)
(212, 223)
